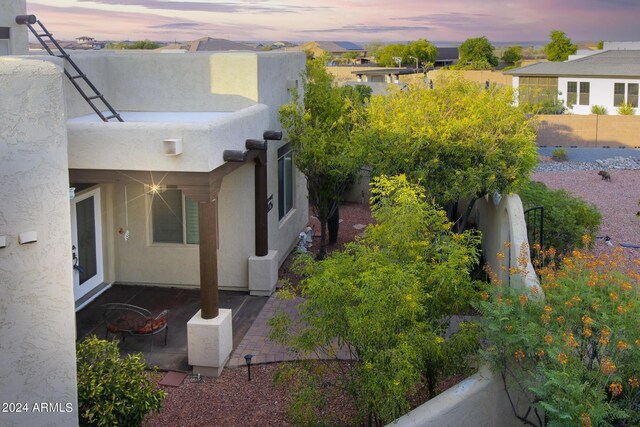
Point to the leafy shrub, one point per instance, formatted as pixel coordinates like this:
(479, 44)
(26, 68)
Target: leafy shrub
(113, 391)
(559, 154)
(626, 109)
(598, 109)
(576, 349)
(566, 218)
(387, 299)
(546, 106)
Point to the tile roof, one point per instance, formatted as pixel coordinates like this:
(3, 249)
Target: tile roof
(614, 63)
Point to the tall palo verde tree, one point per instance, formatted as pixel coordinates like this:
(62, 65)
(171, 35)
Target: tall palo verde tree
(319, 127)
(460, 140)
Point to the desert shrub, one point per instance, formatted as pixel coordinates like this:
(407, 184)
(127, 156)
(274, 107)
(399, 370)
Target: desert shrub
(560, 154)
(113, 391)
(546, 106)
(598, 109)
(566, 217)
(573, 347)
(626, 109)
(387, 299)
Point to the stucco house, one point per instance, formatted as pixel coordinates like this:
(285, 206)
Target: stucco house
(185, 191)
(605, 79)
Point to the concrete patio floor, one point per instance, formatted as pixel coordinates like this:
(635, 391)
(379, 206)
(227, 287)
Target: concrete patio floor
(182, 305)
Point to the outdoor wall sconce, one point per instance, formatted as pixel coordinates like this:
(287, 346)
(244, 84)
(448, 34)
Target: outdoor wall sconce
(172, 147)
(247, 359)
(234, 156)
(272, 135)
(72, 193)
(3, 241)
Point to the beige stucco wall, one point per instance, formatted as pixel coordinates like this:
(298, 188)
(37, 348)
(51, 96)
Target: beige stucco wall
(18, 42)
(478, 76)
(37, 324)
(203, 81)
(138, 259)
(591, 130)
(138, 146)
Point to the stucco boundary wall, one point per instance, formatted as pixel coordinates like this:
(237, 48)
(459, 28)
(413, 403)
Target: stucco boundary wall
(593, 130)
(478, 76)
(478, 401)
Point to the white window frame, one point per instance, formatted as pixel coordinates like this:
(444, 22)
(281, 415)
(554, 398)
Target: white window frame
(152, 238)
(285, 188)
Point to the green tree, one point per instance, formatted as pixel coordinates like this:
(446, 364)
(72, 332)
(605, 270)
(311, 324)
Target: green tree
(459, 139)
(512, 54)
(421, 49)
(477, 50)
(320, 131)
(373, 48)
(600, 45)
(350, 57)
(386, 54)
(560, 46)
(387, 299)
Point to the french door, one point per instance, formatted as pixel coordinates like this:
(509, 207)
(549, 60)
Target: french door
(86, 234)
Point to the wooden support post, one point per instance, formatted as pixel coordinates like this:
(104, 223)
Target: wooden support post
(208, 221)
(262, 224)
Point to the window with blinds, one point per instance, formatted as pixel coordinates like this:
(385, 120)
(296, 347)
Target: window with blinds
(174, 217)
(285, 181)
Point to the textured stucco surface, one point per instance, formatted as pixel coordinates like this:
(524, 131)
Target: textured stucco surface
(37, 333)
(139, 145)
(9, 9)
(500, 223)
(478, 401)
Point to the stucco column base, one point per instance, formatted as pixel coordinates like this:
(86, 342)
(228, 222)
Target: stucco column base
(263, 274)
(209, 343)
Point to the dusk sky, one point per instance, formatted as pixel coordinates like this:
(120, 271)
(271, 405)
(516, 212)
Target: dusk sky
(353, 20)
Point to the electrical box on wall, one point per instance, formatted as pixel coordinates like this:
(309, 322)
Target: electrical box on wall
(172, 147)
(27, 237)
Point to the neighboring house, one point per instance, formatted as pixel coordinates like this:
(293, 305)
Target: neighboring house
(175, 195)
(208, 44)
(332, 49)
(606, 79)
(446, 56)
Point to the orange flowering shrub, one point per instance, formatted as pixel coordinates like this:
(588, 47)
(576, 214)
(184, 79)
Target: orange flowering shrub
(575, 346)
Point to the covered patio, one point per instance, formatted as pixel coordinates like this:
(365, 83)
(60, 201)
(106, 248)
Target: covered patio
(182, 305)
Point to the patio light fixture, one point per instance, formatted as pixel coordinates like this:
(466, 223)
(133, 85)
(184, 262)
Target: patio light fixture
(247, 358)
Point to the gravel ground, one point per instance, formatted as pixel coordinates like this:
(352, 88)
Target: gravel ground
(229, 400)
(618, 202)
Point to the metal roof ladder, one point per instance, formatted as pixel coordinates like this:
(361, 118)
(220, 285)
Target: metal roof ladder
(91, 93)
